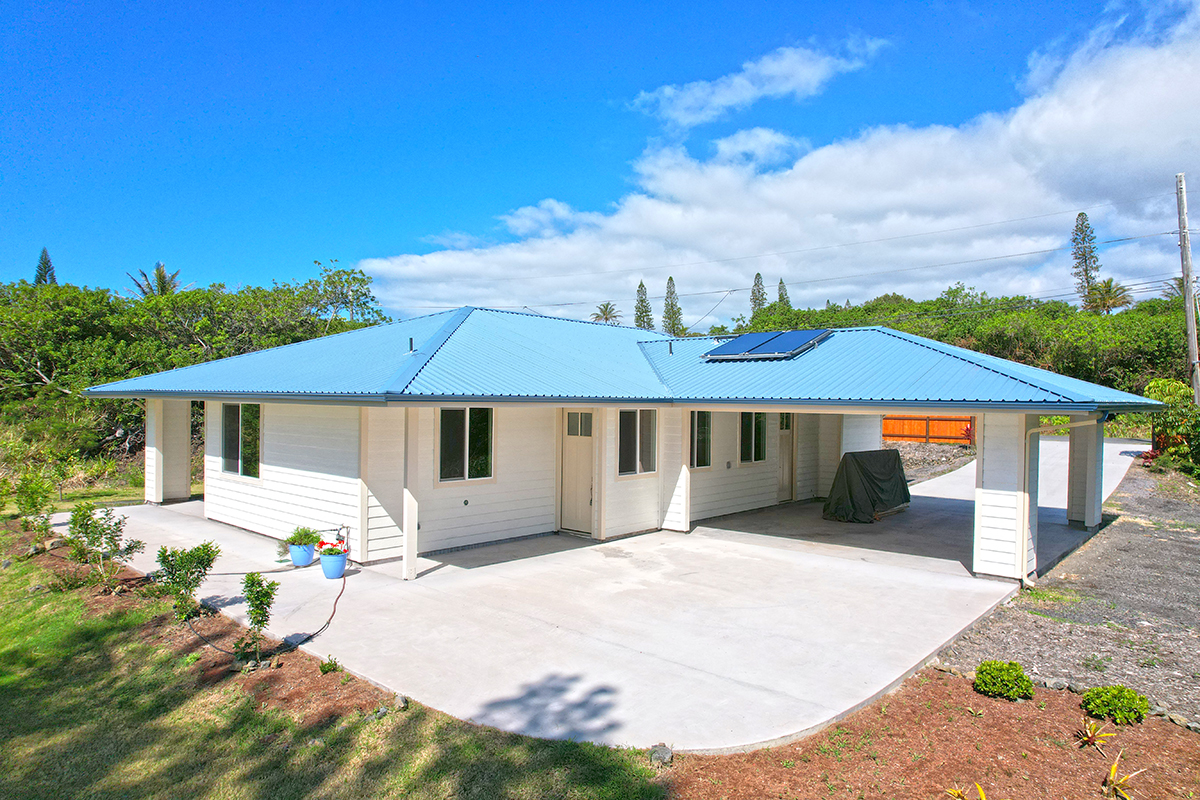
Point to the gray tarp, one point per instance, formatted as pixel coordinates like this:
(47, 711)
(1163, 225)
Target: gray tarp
(867, 485)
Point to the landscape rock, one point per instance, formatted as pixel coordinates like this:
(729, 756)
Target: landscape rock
(970, 675)
(1194, 727)
(660, 755)
(1178, 719)
(5, 564)
(276, 662)
(1076, 688)
(34, 549)
(381, 712)
(37, 587)
(401, 703)
(57, 541)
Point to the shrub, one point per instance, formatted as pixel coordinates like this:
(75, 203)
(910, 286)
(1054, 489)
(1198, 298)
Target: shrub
(1118, 703)
(33, 495)
(303, 536)
(998, 679)
(330, 665)
(260, 596)
(99, 540)
(183, 571)
(6, 490)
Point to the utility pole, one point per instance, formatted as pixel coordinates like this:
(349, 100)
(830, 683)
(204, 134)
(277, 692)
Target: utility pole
(1189, 301)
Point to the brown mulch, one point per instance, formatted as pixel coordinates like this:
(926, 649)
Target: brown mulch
(296, 686)
(935, 733)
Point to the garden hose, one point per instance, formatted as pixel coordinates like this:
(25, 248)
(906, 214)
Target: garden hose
(288, 647)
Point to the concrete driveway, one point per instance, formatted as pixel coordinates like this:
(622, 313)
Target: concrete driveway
(703, 642)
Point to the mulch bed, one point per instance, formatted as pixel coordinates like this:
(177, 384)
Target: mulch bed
(935, 733)
(296, 686)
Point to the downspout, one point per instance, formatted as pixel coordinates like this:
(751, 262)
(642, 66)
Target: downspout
(1091, 420)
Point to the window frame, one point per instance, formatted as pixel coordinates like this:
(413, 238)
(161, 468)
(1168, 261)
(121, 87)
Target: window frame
(637, 441)
(694, 437)
(758, 437)
(466, 454)
(240, 471)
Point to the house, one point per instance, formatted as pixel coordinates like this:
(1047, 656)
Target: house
(476, 425)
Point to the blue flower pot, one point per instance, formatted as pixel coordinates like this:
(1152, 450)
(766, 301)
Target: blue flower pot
(302, 554)
(333, 566)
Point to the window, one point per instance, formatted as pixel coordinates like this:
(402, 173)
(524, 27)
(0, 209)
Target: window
(465, 451)
(785, 422)
(754, 437)
(701, 439)
(241, 436)
(637, 444)
(579, 423)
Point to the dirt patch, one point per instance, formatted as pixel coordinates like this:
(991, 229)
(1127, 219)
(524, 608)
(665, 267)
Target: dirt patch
(1121, 609)
(935, 733)
(924, 461)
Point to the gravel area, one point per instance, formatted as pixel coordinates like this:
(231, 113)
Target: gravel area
(1124, 608)
(924, 461)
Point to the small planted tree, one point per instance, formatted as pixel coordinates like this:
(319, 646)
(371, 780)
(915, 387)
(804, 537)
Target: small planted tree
(33, 496)
(98, 539)
(182, 571)
(260, 596)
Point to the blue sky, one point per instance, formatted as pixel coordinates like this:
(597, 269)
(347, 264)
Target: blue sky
(442, 149)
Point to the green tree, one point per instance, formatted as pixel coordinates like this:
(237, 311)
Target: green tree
(1106, 296)
(158, 283)
(346, 291)
(643, 317)
(672, 313)
(606, 313)
(784, 300)
(260, 596)
(758, 295)
(44, 275)
(1083, 253)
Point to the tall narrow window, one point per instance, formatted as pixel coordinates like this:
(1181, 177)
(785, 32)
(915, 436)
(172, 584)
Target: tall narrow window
(753, 445)
(241, 434)
(637, 441)
(465, 444)
(785, 422)
(701, 438)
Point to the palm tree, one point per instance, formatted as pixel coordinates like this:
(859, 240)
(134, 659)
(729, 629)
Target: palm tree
(1106, 296)
(606, 313)
(159, 282)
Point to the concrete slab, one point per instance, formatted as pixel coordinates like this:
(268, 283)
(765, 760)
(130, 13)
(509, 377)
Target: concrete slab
(704, 642)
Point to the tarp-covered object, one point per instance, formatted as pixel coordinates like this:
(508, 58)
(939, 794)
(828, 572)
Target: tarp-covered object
(867, 485)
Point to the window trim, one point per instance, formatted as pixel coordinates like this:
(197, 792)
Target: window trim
(693, 417)
(437, 447)
(238, 474)
(637, 444)
(754, 442)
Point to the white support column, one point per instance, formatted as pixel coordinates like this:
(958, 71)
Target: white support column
(168, 450)
(1085, 474)
(409, 523)
(1006, 482)
(829, 451)
(675, 458)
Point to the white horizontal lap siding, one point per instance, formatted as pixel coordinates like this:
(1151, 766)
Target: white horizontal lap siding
(631, 502)
(729, 486)
(672, 460)
(829, 448)
(806, 429)
(308, 474)
(517, 501)
(862, 432)
(999, 496)
(384, 480)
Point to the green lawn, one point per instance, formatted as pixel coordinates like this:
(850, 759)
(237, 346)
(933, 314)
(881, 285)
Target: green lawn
(88, 710)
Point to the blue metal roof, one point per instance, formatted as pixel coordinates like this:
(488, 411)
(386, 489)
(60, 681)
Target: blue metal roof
(474, 353)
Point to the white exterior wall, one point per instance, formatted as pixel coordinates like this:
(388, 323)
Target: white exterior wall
(729, 486)
(1005, 495)
(632, 503)
(309, 473)
(1085, 474)
(383, 481)
(521, 497)
(829, 451)
(673, 460)
(806, 430)
(861, 432)
(168, 450)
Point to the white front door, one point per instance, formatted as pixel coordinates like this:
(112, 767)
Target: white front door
(786, 453)
(577, 472)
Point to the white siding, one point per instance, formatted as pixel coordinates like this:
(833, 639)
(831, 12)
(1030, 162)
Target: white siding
(729, 486)
(672, 463)
(999, 499)
(861, 432)
(1085, 473)
(829, 448)
(631, 502)
(806, 427)
(384, 479)
(308, 475)
(168, 450)
(520, 498)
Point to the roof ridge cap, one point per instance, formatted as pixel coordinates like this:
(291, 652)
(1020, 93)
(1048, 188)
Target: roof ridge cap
(409, 372)
(568, 319)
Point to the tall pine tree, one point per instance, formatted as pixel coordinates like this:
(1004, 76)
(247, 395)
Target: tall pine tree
(784, 300)
(672, 313)
(758, 295)
(643, 317)
(45, 270)
(1083, 251)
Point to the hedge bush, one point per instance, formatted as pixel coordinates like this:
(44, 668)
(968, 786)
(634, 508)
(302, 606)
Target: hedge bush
(998, 679)
(1122, 705)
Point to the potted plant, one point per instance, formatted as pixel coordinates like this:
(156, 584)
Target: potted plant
(301, 545)
(333, 558)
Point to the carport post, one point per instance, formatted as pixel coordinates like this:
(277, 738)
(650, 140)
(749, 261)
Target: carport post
(1006, 482)
(168, 450)
(1085, 472)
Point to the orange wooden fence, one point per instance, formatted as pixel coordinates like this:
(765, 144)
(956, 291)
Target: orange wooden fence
(944, 430)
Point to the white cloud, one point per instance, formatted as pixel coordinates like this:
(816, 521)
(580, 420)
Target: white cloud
(1107, 132)
(798, 72)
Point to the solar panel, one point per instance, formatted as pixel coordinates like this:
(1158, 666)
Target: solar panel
(767, 345)
(742, 344)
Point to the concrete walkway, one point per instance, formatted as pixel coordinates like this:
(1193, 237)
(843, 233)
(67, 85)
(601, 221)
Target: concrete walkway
(697, 641)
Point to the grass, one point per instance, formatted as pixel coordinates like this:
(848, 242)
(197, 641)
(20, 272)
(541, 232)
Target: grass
(90, 710)
(1043, 594)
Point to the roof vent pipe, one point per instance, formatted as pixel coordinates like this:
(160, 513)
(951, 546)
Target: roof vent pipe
(410, 344)
(670, 348)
